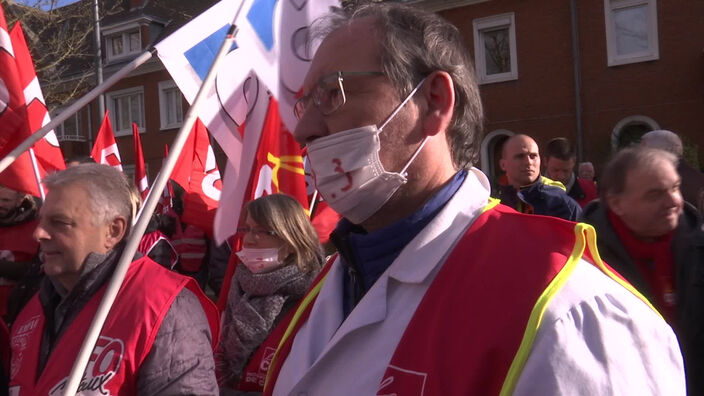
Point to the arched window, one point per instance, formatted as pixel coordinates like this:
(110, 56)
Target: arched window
(491, 153)
(629, 130)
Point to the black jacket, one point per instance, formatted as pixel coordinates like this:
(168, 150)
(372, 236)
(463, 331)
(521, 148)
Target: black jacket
(688, 255)
(547, 200)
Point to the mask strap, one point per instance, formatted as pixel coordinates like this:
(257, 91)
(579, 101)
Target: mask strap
(400, 106)
(415, 154)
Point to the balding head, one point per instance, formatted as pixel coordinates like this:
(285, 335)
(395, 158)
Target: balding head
(663, 140)
(520, 159)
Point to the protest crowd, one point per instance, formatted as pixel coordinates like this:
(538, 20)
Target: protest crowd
(408, 272)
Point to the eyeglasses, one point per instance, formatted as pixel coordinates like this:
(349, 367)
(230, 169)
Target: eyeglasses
(257, 232)
(328, 94)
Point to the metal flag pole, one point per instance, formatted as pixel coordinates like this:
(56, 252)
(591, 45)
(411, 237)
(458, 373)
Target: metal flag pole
(140, 226)
(71, 110)
(313, 201)
(37, 176)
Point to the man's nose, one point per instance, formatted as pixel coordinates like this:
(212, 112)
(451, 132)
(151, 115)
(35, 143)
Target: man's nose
(40, 233)
(310, 126)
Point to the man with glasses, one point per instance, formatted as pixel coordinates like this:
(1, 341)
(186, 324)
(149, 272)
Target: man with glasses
(436, 289)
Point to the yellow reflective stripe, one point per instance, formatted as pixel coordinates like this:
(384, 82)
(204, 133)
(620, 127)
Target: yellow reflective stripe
(536, 315)
(296, 317)
(553, 183)
(492, 203)
(592, 246)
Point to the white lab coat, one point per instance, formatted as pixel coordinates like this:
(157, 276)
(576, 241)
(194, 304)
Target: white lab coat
(595, 337)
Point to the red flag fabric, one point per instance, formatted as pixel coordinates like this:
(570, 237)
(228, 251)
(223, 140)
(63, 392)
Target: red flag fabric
(140, 170)
(47, 149)
(166, 204)
(278, 168)
(197, 172)
(20, 175)
(105, 148)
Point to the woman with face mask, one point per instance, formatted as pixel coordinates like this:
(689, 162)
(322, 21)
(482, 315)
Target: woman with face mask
(279, 258)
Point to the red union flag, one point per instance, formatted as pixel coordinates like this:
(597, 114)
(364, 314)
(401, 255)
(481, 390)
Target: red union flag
(13, 130)
(105, 148)
(140, 170)
(197, 173)
(278, 165)
(47, 149)
(165, 204)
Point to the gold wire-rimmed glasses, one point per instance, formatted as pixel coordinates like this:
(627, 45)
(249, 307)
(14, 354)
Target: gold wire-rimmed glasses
(328, 94)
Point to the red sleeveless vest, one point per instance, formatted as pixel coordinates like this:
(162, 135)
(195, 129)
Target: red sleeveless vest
(146, 244)
(124, 342)
(19, 241)
(16, 244)
(474, 328)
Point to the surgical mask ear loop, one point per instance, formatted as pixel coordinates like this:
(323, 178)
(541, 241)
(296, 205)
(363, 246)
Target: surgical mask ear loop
(400, 106)
(391, 116)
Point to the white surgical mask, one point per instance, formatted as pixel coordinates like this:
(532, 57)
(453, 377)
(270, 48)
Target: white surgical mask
(259, 260)
(348, 172)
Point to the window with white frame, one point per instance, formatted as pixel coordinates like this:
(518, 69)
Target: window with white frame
(126, 106)
(122, 44)
(495, 48)
(631, 31)
(70, 129)
(170, 105)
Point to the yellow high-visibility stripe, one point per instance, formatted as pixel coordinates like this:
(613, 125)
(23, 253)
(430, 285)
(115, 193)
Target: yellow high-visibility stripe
(296, 317)
(536, 315)
(585, 237)
(592, 246)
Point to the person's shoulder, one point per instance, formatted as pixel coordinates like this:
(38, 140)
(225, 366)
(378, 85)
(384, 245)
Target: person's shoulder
(590, 293)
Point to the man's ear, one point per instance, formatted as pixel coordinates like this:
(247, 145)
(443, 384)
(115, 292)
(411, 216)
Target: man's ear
(502, 164)
(116, 231)
(439, 93)
(613, 202)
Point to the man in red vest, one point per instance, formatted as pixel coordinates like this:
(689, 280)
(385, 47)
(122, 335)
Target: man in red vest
(437, 290)
(156, 340)
(18, 250)
(650, 235)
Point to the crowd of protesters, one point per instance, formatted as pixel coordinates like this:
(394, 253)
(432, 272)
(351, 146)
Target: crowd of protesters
(422, 293)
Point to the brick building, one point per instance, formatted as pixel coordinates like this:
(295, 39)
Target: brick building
(639, 65)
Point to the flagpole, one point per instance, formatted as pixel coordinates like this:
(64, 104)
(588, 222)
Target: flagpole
(313, 201)
(37, 176)
(77, 105)
(159, 184)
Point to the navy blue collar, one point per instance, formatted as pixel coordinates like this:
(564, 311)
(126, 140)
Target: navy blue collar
(367, 255)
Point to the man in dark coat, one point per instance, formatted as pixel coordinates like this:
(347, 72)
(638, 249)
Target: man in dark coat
(527, 191)
(649, 234)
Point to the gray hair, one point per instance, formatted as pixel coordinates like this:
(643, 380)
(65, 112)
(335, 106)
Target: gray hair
(663, 140)
(414, 44)
(615, 174)
(108, 189)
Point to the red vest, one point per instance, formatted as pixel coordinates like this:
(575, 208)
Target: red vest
(16, 244)
(19, 241)
(124, 342)
(149, 240)
(474, 328)
(191, 248)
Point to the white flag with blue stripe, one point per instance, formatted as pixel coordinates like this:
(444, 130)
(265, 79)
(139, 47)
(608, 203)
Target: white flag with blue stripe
(270, 55)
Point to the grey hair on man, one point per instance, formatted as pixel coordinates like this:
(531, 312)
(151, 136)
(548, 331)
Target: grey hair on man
(108, 189)
(613, 180)
(414, 44)
(663, 140)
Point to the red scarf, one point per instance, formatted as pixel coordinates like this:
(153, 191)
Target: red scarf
(655, 262)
